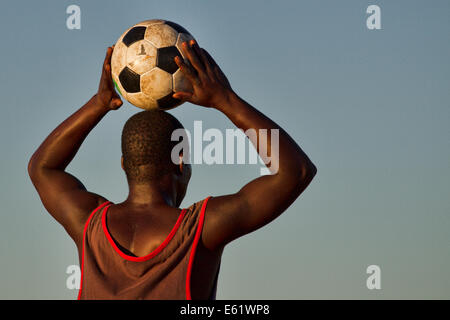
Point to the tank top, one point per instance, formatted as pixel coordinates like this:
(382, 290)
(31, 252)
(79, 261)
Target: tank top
(165, 273)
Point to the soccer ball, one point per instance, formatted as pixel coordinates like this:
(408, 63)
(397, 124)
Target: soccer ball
(143, 67)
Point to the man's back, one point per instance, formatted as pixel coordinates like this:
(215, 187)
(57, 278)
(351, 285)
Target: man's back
(116, 264)
(139, 231)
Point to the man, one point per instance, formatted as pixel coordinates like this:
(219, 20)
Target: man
(146, 247)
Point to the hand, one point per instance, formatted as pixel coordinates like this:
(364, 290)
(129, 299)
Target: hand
(107, 95)
(211, 86)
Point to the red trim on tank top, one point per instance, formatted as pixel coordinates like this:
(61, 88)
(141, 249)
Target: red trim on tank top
(194, 247)
(151, 254)
(84, 237)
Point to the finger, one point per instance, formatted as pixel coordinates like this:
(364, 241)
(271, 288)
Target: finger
(115, 94)
(116, 102)
(187, 70)
(106, 78)
(197, 50)
(108, 56)
(208, 64)
(106, 70)
(203, 58)
(192, 57)
(210, 59)
(216, 68)
(184, 96)
(103, 82)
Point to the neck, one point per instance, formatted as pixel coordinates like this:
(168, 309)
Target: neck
(152, 194)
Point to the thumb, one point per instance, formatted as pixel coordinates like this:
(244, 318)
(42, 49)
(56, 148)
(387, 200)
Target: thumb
(116, 103)
(185, 96)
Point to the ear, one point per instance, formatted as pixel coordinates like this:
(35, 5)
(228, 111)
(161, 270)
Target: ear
(121, 162)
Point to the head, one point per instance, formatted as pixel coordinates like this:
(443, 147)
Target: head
(146, 153)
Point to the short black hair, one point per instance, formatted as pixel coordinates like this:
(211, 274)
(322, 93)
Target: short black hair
(147, 145)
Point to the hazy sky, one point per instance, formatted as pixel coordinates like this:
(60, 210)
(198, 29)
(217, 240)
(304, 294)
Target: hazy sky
(370, 107)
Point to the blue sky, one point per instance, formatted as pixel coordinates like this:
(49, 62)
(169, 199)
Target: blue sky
(370, 107)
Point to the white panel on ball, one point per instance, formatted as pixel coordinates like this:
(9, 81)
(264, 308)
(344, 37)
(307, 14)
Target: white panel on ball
(118, 58)
(141, 56)
(161, 35)
(147, 23)
(156, 83)
(141, 100)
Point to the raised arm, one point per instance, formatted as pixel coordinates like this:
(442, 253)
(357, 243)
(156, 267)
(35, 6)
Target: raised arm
(63, 195)
(265, 198)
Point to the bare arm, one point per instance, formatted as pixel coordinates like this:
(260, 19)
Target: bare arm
(265, 198)
(63, 195)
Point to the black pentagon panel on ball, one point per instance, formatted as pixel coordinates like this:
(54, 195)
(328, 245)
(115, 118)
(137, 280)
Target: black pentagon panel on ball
(165, 59)
(168, 102)
(135, 34)
(177, 27)
(130, 80)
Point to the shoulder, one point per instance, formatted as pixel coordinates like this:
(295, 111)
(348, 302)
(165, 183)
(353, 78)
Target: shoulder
(80, 215)
(202, 215)
(198, 208)
(222, 216)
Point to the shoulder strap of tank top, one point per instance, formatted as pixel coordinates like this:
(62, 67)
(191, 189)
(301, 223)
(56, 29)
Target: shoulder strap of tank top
(104, 204)
(198, 233)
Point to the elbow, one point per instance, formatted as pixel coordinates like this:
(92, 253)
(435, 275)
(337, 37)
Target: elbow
(308, 172)
(300, 174)
(302, 180)
(313, 170)
(32, 167)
